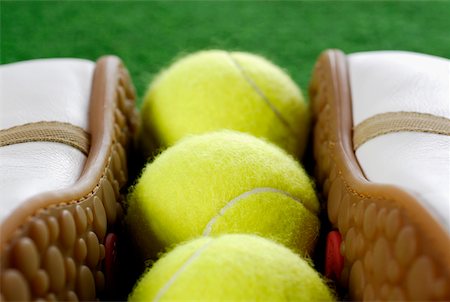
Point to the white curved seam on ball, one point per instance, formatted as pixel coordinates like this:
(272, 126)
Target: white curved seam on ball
(235, 200)
(260, 92)
(174, 277)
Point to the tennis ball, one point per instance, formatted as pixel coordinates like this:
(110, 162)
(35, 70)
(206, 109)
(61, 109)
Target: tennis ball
(223, 182)
(215, 89)
(231, 268)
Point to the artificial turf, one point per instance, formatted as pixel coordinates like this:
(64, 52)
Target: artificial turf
(149, 35)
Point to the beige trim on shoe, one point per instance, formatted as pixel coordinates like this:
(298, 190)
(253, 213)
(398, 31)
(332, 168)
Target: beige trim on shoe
(47, 131)
(391, 122)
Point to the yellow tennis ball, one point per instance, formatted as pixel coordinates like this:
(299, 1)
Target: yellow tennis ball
(223, 182)
(215, 89)
(231, 268)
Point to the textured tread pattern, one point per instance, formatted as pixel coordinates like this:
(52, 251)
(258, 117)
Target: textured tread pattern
(388, 255)
(58, 253)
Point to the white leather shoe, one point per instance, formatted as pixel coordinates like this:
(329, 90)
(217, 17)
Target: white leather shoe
(382, 151)
(65, 126)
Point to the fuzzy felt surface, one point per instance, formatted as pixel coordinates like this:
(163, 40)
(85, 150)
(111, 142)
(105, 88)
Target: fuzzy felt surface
(213, 90)
(223, 182)
(231, 268)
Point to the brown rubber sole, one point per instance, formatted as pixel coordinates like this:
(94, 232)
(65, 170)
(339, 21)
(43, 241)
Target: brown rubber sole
(60, 245)
(393, 248)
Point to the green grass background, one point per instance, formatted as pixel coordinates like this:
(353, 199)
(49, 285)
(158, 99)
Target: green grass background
(149, 35)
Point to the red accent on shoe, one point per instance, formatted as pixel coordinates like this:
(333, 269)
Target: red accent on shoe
(110, 260)
(334, 261)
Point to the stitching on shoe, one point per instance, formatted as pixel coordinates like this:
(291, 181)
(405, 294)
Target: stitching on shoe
(47, 131)
(402, 121)
(332, 144)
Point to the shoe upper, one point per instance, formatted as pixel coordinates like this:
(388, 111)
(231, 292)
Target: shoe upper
(396, 81)
(34, 91)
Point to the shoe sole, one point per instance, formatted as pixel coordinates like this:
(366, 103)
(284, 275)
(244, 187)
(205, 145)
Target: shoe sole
(393, 248)
(53, 247)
